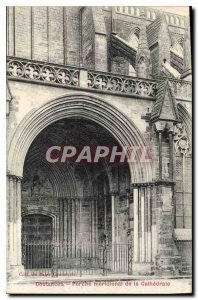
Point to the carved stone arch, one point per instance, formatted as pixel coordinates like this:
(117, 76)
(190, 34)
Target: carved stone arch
(77, 105)
(134, 37)
(136, 31)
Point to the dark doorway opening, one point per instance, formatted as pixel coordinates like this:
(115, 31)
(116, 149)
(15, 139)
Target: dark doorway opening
(37, 241)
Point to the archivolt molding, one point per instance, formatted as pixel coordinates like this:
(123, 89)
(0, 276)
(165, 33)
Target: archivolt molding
(71, 106)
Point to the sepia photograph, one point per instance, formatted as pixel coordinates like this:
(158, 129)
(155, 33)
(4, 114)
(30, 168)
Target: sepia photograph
(99, 149)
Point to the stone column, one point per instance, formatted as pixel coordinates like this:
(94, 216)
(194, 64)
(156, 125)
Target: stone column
(160, 154)
(113, 227)
(65, 216)
(136, 238)
(105, 214)
(146, 223)
(153, 222)
(96, 224)
(14, 254)
(18, 221)
(73, 227)
(61, 221)
(167, 260)
(139, 225)
(143, 224)
(79, 221)
(69, 226)
(171, 166)
(149, 242)
(130, 228)
(92, 213)
(117, 203)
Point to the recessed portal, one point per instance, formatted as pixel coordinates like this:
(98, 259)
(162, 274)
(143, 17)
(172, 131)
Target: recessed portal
(89, 200)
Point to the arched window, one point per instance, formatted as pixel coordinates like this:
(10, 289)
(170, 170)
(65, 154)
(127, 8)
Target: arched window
(167, 19)
(134, 38)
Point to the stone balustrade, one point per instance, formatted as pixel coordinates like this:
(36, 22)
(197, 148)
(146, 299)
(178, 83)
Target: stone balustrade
(77, 77)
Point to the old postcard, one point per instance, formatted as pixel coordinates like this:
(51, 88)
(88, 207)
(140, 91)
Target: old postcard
(99, 150)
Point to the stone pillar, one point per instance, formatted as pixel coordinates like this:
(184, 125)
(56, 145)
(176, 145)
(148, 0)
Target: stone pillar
(149, 242)
(167, 260)
(130, 245)
(153, 222)
(61, 220)
(65, 216)
(113, 227)
(139, 225)
(14, 251)
(73, 227)
(160, 154)
(136, 237)
(146, 223)
(171, 154)
(92, 214)
(79, 219)
(96, 220)
(143, 225)
(69, 226)
(117, 203)
(105, 214)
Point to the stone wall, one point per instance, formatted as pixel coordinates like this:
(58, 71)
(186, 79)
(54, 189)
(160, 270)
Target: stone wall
(44, 33)
(74, 36)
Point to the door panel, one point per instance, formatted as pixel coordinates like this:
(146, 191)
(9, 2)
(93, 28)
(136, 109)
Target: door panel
(37, 237)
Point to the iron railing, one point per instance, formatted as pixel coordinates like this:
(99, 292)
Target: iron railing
(59, 259)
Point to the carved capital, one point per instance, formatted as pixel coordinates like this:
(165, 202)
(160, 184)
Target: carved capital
(160, 126)
(14, 177)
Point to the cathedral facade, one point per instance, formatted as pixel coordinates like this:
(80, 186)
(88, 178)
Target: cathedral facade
(110, 77)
